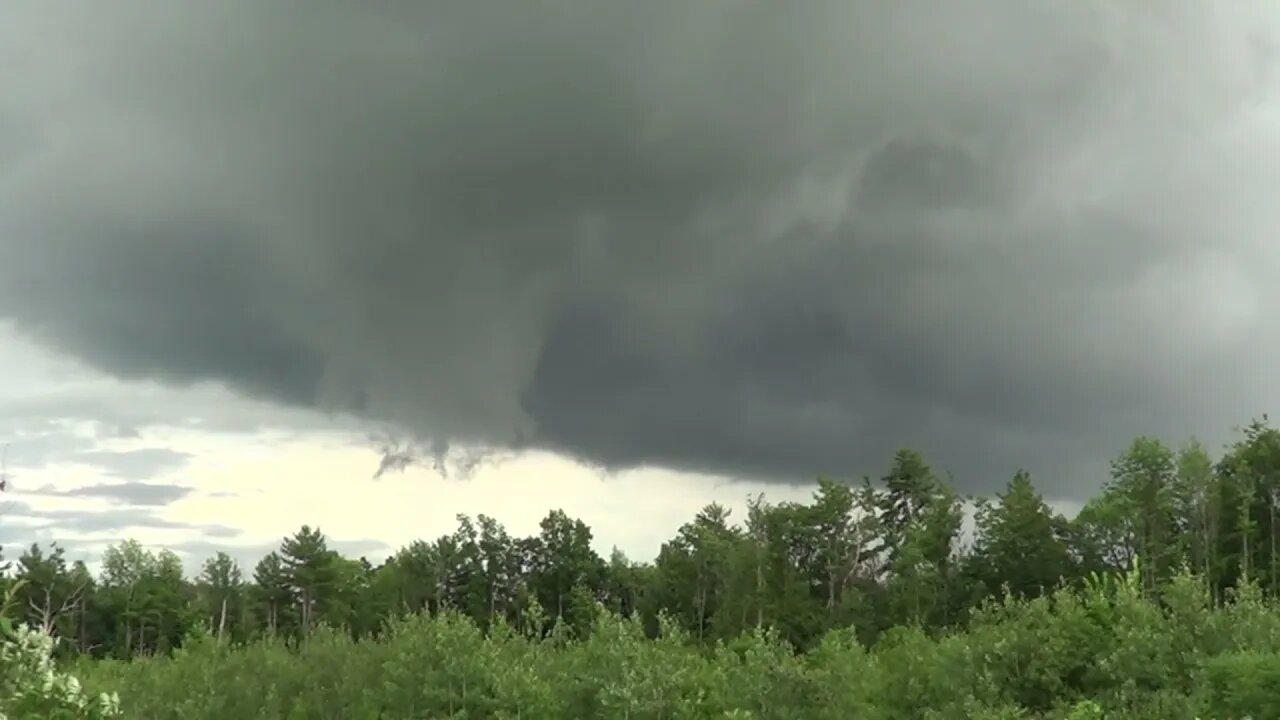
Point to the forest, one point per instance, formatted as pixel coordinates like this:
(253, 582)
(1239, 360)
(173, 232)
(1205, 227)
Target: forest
(1157, 600)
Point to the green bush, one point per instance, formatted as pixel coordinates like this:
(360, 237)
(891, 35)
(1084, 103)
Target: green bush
(1089, 654)
(31, 687)
(1245, 684)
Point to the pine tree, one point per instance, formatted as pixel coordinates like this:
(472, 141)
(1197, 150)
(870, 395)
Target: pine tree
(309, 567)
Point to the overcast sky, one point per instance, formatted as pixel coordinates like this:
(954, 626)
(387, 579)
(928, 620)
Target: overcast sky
(740, 240)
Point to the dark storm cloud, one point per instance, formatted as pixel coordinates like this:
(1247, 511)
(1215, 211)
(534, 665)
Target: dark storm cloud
(774, 239)
(52, 407)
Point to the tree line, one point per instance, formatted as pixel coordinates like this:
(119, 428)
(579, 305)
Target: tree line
(871, 557)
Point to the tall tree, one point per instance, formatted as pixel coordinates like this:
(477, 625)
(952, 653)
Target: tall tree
(910, 490)
(50, 591)
(1144, 477)
(126, 567)
(847, 528)
(921, 562)
(1197, 508)
(695, 566)
(1020, 541)
(168, 600)
(1103, 535)
(347, 605)
(274, 593)
(1250, 490)
(466, 583)
(502, 567)
(310, 568)
(222, 595)
(416, 578)
(562, 558)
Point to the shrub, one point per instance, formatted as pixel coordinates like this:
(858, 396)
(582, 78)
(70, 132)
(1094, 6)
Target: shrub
(31, 687)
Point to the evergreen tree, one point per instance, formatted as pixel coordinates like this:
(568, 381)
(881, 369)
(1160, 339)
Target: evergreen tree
(273, 594)
(309, 566)
(1021, 543)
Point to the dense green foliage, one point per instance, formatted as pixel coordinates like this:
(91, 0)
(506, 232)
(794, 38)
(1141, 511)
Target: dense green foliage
(862, 603)
(1104, 647)
(31, 685)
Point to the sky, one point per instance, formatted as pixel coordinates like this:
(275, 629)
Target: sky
(201, 469)
(621, 258)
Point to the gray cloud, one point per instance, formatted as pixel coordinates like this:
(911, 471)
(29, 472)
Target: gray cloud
(769, 239)
(108, 431)
(29, 441)
(141, 464)
(50, 408)
(109, 520)
(127, 493)
(15, 534)
(36, 442)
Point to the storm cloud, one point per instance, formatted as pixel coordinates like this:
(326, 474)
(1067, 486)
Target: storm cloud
(771, 239)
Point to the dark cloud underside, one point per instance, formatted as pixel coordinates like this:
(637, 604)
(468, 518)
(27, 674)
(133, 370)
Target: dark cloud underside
(775, 239)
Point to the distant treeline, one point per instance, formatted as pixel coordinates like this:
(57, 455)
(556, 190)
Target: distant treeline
(1157, 600)
(871, 556)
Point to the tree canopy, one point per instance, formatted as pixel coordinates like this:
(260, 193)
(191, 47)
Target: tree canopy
(1148, 601)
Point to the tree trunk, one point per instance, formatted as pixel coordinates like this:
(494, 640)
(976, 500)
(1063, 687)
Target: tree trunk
(759, 587)
(271, 617)
(82, 633)
(702, 609)
(1271, 521)
(831, 590)
(222, 619)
